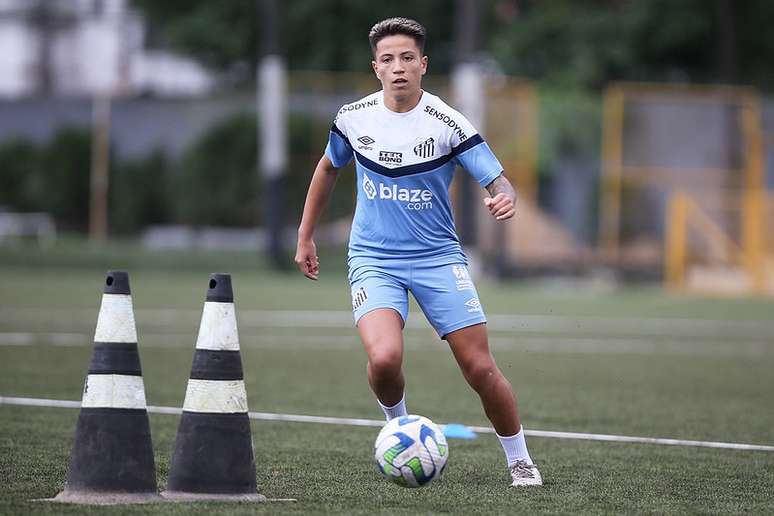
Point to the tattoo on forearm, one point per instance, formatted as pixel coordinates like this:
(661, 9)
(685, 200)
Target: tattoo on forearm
(501, 185)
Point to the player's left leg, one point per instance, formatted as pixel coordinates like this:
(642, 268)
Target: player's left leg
(471, 350)
(449, 299)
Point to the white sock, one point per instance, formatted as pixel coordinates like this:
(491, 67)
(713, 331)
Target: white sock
(515, 448)
(397, 410)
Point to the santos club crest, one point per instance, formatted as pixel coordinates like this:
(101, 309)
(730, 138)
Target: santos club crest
(425, 148)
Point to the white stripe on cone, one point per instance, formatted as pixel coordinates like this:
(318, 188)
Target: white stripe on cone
(217, 396)
(113, 391)
(218, 329)
(116, 319)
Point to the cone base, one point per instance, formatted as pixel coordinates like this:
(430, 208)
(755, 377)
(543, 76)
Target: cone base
(180, 496)
(112, 453)
(103, 498)
(213, 455)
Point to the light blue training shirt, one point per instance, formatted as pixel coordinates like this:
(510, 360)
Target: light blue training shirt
(405, 164)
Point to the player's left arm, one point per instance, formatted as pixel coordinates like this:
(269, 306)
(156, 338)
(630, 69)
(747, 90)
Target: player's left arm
(501, 202)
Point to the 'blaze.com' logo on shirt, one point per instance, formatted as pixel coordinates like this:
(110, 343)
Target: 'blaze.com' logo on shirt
(415, 198)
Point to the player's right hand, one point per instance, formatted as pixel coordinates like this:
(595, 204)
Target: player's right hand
(306, 259)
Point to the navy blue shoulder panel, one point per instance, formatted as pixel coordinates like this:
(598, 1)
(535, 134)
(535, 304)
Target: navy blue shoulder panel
(336, 130)
(467, 144)
(418, 168)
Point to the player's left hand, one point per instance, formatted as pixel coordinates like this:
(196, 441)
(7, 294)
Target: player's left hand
(500, 206)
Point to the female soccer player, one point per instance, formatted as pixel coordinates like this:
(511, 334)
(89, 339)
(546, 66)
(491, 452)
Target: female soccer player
(406, 144)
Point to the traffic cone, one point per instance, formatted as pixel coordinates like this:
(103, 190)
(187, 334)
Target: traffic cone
(213, 457)
(112, 458)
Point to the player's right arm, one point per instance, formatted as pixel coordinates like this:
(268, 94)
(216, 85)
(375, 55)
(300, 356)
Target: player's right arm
(320, 188)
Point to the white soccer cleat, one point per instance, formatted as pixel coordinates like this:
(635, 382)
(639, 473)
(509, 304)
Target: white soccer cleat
(525, 474)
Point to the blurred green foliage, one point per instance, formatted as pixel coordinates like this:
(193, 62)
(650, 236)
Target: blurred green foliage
(327, 35)
(566, 42)
(19, 165)
(52, 178)
(140, 193)
(216, 182)
(570, 125)
(213, 182)
(571, 49)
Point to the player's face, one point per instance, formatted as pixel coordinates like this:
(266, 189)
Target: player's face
(399, 65)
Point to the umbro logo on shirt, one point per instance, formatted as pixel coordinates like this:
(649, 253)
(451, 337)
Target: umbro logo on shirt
(425, 149)
(366, 143)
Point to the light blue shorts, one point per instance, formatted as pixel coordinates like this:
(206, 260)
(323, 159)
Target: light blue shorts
(445, 293)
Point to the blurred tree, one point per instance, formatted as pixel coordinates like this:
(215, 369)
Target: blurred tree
(140, 193)
(19, 167)
(578, 44)
(589, 43)
(52, 178)
(65, 167)
(222, 35)
(216, 182)
(320, 35)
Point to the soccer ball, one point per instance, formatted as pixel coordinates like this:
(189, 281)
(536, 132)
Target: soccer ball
(411, 451)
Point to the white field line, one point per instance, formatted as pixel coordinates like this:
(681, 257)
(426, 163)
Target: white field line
(508, 323)
(533, 343)
(298, 418)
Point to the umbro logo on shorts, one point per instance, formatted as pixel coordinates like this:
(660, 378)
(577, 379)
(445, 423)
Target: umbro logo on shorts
(474, 305)
(425, 149)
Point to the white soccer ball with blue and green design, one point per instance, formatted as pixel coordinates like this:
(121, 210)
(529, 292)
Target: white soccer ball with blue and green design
(411, 451)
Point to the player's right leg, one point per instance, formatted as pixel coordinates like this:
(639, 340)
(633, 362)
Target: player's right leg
(382, 336)
(380, 307)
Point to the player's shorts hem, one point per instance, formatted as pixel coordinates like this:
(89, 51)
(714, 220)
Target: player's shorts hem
(378, 307)
(443, 332)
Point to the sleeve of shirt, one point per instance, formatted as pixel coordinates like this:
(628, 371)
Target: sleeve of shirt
(471, 152)
(475, 156)
(338, 150)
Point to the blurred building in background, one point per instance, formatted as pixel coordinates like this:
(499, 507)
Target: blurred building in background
(87, 47)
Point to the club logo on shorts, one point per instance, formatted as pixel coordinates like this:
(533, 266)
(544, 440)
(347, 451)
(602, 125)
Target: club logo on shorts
(460, 272)
(425, 149)
(369, 187)
(358, 298)
(462, 276)
(474, 305)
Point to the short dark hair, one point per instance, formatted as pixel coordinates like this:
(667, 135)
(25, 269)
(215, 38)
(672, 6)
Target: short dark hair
(393, 26)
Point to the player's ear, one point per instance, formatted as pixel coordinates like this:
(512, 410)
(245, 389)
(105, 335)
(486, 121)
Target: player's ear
(373, 65)
(424, 62)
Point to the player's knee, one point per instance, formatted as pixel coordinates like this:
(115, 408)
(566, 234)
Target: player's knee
(385, 364)
(481, 375)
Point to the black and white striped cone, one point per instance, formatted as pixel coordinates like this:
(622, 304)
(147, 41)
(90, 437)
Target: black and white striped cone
(112, 458)
(213, 457)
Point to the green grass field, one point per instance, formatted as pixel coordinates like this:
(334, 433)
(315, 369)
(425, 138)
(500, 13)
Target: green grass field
(634, 362)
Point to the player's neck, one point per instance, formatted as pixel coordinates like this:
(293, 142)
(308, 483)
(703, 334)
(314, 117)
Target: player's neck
(402, 104)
